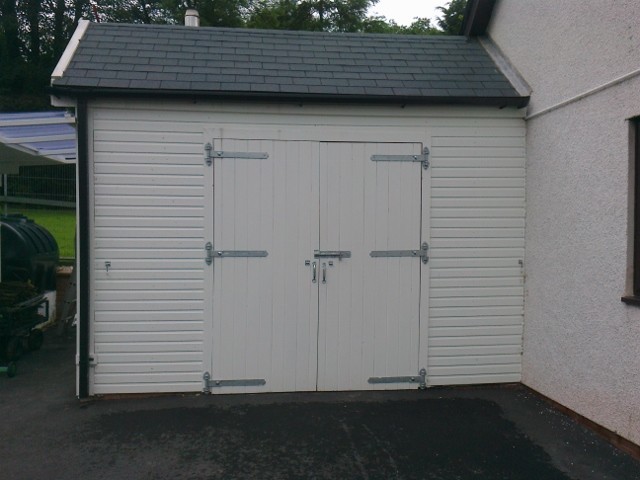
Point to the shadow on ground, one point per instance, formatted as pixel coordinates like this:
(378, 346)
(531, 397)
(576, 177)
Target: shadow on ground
(479, 433)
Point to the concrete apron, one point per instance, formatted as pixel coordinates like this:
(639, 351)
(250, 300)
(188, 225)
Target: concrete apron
(478, 433)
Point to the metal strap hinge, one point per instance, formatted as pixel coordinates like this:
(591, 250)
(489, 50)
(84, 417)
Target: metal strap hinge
(423, 253)
(424, 158)
(420, 379)
(240, 253)
(210, 154)
(211, 253)
(243, 382)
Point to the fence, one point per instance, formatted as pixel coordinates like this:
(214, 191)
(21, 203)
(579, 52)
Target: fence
(52, 186)
(46, 195)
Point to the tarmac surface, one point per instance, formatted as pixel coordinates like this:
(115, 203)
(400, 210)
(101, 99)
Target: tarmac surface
(445, 434)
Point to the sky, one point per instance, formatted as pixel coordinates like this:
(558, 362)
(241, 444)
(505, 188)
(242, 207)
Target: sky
(404, 11)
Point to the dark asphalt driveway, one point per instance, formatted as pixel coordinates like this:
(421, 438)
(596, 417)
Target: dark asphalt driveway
(448, 434)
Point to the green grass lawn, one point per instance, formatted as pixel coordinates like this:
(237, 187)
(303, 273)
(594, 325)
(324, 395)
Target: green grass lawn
(60, 223)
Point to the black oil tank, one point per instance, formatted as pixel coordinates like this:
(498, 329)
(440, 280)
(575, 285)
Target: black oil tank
(28, 252)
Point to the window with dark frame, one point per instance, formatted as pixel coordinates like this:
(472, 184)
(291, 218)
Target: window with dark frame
(636, 208)
(635, 144)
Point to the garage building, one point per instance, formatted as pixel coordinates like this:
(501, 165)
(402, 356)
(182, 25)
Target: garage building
(267, 211)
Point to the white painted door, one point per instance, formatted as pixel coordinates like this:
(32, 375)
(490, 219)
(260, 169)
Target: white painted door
(361, 316)
(369, 307)
(265, 312)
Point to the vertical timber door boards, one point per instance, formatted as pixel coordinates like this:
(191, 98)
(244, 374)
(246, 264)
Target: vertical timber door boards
(265, 312)
(369, 306)
(357, 326)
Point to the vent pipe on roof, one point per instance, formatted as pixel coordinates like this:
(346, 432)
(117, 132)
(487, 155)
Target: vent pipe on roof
(192, 18)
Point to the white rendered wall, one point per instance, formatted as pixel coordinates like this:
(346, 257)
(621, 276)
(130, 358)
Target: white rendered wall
(563, 48)
(581, 343)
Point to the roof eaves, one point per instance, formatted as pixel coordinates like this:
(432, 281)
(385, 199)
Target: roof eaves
(497, 101)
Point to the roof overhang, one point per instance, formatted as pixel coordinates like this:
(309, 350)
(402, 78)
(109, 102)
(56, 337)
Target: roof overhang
(93, 92)
(36, 138)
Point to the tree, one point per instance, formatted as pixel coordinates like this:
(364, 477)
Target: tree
(58, 41)
(340, 15)
(9, 41)
(276, 14)
(452, 17)
(135, 11)
(318, 15)
(32, 11)
(222, 13)
(420, 26)
(34, 33)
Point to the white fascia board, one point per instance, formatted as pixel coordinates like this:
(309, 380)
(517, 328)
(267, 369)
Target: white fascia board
(66, 102)
(505, 66)
(63, 63)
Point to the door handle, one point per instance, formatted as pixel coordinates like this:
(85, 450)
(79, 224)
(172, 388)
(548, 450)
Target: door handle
(324, 272)
(313, 269)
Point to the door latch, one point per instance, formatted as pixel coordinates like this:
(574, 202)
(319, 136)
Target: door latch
(314, 266)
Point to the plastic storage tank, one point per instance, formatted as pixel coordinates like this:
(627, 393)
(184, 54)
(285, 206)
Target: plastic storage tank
(28, 252)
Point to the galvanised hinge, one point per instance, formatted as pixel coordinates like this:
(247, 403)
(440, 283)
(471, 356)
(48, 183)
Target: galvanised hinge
(424, 158)
(423, 253)
(210, 154)
(244, 382)
(420, 379)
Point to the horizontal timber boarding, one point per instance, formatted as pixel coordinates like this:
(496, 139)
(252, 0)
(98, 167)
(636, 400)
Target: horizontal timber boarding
(149, 223)
(477, 251)
(149, 219)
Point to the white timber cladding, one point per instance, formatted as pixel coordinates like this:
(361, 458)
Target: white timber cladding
(152, 196)
(148, 236)
(477, 251)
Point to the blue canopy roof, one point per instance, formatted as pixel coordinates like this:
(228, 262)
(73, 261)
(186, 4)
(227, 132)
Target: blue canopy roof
(36, 138)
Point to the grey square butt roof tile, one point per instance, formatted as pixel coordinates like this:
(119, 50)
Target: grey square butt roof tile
(185, 60)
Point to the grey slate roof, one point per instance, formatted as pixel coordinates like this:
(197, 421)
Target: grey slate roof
(162, 59)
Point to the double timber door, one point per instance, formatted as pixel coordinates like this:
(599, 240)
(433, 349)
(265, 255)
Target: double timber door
(316, 261)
